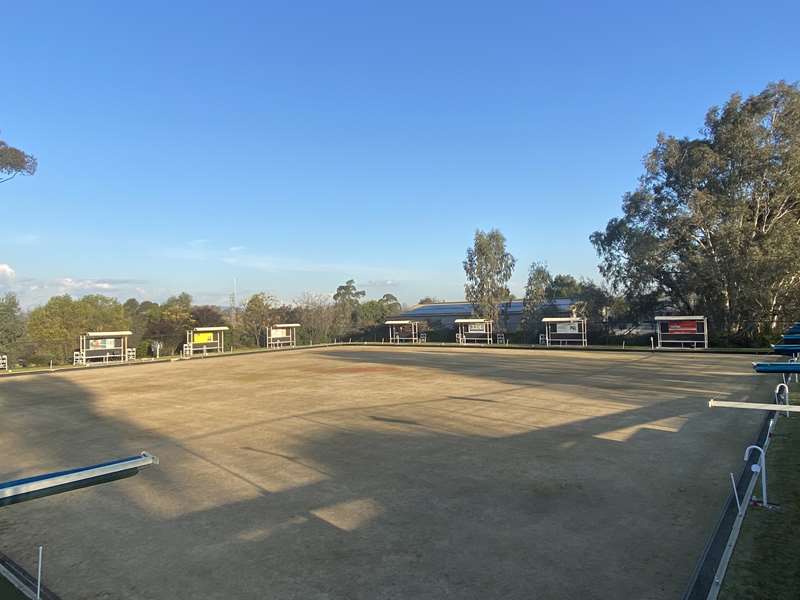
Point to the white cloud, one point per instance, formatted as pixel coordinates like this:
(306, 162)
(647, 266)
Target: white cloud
(68, 283)
(32, 291)
(7, 274)
(95, 285)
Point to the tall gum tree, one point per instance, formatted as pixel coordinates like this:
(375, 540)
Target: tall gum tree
(488, 267)
(715, 221)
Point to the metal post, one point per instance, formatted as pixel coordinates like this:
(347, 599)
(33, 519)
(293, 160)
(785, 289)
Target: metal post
(736, 495)
(39, 576)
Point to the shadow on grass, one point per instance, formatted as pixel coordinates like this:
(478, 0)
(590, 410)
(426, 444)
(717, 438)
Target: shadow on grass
(462, 496)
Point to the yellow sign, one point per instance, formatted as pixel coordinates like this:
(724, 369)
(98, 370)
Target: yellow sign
(205, 337)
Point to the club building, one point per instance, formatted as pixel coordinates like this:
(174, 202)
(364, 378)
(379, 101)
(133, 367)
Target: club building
(445, 314)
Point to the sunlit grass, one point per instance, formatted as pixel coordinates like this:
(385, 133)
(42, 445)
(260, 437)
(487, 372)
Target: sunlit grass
(766, 561)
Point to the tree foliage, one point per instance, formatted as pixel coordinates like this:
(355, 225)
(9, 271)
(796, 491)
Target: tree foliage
(488, 267)
(317, 315)
(12, 325)
(140, 315)
(538, 289)
(374, 312)
(207, 316)
(51, 331)
(714, 223)
(589, 300)
(347, 294)
(346, 300)
(258, 314)
(55, 327)
(169, 323)
(14, 161)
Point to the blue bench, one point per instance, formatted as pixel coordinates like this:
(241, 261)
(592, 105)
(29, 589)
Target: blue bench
(786, 369)
(786, 349)
(777, 367)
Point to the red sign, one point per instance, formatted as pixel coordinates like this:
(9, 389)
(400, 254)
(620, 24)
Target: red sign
(682, 327)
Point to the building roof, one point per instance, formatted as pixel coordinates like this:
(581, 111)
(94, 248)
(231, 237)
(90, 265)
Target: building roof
(210, 329)
(465, 309)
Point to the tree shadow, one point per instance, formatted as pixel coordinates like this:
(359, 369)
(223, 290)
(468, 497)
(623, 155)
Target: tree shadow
(487, 494)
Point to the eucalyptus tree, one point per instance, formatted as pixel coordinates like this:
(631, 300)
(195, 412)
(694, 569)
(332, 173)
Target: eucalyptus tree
(537, 291)
(258, 314)
(715, 221)
(14, 161)
(488, 267)
(12, 325)
(346, 300)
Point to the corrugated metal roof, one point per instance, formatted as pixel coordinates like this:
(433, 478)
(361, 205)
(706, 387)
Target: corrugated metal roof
(465, 309)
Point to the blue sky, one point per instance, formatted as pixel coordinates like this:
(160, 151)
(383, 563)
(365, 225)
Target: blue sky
(293, 146)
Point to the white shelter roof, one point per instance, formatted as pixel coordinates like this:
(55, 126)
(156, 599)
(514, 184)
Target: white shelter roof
(680, 318)
(563, 319)
(223, 328)
(108, 334)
